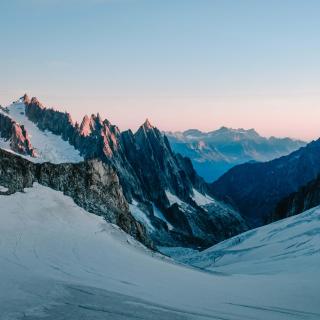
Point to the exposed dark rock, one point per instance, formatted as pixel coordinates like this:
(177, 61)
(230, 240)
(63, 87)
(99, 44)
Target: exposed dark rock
(93, 185)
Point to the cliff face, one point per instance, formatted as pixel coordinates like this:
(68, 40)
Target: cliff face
(93, 185)
(16, 135)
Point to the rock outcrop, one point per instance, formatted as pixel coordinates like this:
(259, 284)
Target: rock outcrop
(93, 185)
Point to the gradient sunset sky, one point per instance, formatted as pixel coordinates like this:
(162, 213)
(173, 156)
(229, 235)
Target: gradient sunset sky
(181, 63)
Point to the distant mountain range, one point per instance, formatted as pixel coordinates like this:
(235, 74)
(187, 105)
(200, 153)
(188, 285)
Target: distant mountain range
(214, 153)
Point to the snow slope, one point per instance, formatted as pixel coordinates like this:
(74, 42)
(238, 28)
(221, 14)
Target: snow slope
(60, 262)
(289, 246)
(50, 147)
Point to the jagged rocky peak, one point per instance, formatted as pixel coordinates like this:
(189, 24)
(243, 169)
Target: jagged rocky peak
(88, 125)
(94, 123)
(20, 141)
(147, 125)
(25, 99)
(146, 130)
(150, 139)
(35, 101)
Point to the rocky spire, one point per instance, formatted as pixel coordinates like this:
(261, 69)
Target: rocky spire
(147, 125)
(20, 141)
(89, 125)
(25, 99)
(35, 101)
(85, 129)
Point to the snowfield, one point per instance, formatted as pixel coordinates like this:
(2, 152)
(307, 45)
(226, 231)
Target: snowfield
(50, 147)
(287, 246)
(60, 262)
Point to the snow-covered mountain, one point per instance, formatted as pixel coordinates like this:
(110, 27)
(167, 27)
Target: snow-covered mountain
(213, 153)
(164, 192)
(60, 262)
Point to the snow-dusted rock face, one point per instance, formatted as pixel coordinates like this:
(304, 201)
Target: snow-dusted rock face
(147, 168)
(214, 153)
(15, 135)
(93, 185)
(48, 146)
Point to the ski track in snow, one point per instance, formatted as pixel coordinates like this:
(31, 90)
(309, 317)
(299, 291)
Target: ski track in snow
(60, 262)
(50, 147)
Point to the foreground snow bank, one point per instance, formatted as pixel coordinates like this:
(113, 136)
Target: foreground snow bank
(60, 262)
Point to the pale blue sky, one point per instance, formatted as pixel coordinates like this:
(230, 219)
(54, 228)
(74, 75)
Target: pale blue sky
(181, 63)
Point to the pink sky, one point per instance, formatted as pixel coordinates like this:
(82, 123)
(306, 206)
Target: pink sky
(295, 116)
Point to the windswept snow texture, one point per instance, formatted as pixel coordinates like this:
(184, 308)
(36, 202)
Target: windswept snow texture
(60, 262)
(50, 147)
(289, 246)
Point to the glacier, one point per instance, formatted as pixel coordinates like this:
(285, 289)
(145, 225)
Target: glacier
(60, 262)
